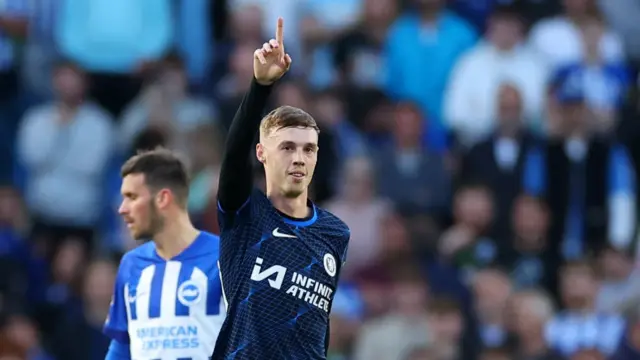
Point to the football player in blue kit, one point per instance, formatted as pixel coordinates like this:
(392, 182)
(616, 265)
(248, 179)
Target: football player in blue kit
(280, 254)
(167, 301)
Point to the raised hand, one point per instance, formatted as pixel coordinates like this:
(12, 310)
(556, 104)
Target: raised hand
(270, 62)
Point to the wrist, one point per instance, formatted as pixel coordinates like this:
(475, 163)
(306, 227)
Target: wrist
(263, 82)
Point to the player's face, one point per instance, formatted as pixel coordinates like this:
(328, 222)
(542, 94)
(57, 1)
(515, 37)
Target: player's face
(138, 208)
(289, 156)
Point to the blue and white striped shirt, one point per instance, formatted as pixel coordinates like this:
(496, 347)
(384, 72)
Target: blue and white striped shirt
(569, 332)
(168, 310)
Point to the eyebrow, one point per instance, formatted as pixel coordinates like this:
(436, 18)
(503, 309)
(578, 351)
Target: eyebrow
(292, 143)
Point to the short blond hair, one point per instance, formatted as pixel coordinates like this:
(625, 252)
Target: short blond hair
(285, 117)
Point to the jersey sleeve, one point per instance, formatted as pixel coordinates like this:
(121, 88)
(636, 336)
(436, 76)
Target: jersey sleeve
(343, 259)
(118, 351)
(236, 175)
(116, 324)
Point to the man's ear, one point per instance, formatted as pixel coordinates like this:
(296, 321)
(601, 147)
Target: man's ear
(260, 153)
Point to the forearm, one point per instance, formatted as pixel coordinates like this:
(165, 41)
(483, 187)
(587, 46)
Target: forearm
(236, 176)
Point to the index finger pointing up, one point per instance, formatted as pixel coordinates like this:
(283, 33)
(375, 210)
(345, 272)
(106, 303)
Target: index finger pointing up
(280, 32)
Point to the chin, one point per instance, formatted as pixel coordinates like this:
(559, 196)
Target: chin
(140, 236)
(293, 191)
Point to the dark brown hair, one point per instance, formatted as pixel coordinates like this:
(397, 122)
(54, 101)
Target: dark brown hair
(287, 116)
(162, 168)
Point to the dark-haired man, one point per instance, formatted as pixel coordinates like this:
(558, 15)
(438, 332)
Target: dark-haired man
(167, 302)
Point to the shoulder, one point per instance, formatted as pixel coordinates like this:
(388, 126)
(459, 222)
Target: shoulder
(39, 113)
(134, 258)
(458, 23)
(406, 22)
(213, 238)
(333, 224)
(97, 115)
(210, 242)
(551, 24)
(474, 57)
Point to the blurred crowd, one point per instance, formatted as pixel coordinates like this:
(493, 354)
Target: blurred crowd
(483, 153)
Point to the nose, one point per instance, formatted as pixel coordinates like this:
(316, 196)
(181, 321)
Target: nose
(122, 210)
(298, 158)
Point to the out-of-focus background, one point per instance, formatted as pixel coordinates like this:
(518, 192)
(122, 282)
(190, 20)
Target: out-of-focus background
(483, 153)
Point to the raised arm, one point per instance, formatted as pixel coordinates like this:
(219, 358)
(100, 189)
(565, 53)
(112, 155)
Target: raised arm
(270, 63)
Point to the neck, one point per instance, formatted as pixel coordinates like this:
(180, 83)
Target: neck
(175, 237)
(577, 133)
(70, 104)
(430, 15)
(407, 145)
(582, 306)
(294, 207)
(508, 132)
(592, 59)
(579, 19)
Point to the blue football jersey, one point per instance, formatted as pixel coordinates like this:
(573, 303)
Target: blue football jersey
(279, 277)
(168, 310)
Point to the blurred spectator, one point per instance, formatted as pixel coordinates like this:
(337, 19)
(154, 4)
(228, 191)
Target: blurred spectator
(328, 110)
(579, 326)
(234, 84)
(558, 39)
(527, 256)
(405, 326)
(64, 147)
(410, 175)
(138, 34)
(496, 353)
(40, 53)
(60, 293)
(194, 38)
(419, 353)
(446, 325)
(323, 22)
(588, 182)
(15, 256)
(255, 23)
(531, 311)
(167, 106)
(491, 289)
(478, 12)
(347, 313)
(465, 244)
(13, 28)
(204, 146)
(78, 335)
(20, 338)
(629, 347)
(421, 50)
(621, 15)
(358, 52)
(619, 291)
(471, 109)
(604, 82)
(360, 208)
(498, 161)
(588, 354)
